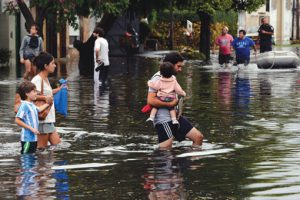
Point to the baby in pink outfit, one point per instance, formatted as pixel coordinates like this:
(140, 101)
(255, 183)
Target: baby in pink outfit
(167, 89)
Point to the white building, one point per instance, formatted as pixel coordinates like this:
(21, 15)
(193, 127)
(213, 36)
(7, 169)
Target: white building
(280, 17)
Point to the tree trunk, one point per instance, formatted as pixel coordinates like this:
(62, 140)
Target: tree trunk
(40, 16)
(205, 35)
(86, 49)
(27, 14)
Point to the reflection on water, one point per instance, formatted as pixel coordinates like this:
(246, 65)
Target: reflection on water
(224, 88)
(164, 180)
(36, 179)
(249, 117)
(242, 93)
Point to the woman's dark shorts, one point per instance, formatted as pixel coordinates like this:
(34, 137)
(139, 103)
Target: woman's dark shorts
(28, 147)
(29, 57)
(168, 130)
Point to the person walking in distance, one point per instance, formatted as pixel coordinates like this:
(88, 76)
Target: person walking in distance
(101, 56)
(224, 43)
(46, 65)
(265, 33)
(31, 46)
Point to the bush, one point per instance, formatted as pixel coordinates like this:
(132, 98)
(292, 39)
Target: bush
(4, 56)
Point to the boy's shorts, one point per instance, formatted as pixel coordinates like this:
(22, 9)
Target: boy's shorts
(168, 130)
(28, 147)
(45, 128)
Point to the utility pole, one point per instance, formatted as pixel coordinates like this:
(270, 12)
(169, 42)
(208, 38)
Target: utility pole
(171, 34)
(297, 20)
(293, 19)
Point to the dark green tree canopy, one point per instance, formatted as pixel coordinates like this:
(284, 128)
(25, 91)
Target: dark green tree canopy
(247, 5)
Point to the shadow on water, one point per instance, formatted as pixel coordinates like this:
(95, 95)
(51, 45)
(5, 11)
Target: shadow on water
(250, 120)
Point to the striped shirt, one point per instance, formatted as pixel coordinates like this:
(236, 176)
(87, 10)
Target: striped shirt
(28, 113)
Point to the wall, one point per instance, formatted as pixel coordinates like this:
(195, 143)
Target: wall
(281, 20)
(251, 21)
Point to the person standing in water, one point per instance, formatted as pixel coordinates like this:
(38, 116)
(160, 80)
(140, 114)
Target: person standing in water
(242, 46)
(224, 42)
(101, 57)
(265, 33)
(46, 65)
(31, 46)
(27, 117)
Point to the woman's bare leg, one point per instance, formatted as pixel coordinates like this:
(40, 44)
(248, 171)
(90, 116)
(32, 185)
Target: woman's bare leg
(54, 138)
(42, 141)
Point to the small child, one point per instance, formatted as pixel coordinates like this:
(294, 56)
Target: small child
(27, 117)
(167, 88)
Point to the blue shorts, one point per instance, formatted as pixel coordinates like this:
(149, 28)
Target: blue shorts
(244, 61)
(168, 130)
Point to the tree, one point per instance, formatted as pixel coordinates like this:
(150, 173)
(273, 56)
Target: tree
(247, 5)
(65, 10)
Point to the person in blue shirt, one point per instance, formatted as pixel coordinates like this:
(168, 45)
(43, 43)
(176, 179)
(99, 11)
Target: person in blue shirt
(27, 117)
(242, 46)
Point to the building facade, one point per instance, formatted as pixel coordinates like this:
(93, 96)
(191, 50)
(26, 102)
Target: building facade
(280, 13)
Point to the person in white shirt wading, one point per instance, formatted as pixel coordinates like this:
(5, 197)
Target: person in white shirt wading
(101, 57)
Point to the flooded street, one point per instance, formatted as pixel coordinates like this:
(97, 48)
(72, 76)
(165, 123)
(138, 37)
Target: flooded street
(249, 118)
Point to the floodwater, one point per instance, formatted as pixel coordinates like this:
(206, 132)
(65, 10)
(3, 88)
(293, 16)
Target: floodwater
(249, 117)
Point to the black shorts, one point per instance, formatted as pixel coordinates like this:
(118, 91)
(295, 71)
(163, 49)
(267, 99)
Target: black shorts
(28, 147)
(168, 130)
(265, 48)
(224, 58)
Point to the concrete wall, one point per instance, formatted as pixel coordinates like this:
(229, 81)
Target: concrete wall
(281, 20)
(4, 21)
(251, 21)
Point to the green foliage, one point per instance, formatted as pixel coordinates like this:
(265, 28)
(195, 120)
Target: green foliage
(5, 55)
(229, 19)
(11, 7)
(249, 5)
(178, 15)
(67, 10)
(207, 6)
(152, 18)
